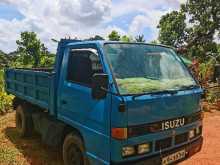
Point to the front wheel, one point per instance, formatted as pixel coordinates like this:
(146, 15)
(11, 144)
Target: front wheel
(73, 151)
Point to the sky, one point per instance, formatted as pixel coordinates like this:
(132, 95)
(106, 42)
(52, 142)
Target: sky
(80, 18)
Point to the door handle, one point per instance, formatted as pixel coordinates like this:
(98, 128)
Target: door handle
(63, 102)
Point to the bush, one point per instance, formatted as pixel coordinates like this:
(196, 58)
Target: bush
(206, 72)
(5, 100)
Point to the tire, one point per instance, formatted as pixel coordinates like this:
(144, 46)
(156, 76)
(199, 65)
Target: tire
(74, 151)
(24, 123)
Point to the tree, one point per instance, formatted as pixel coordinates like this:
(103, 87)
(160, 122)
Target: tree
(32, 52)
(47, 59)
(205, 20)
(172, 28)
(29, 47)
(3, 59)
(114, 36)
(205, 17)
(126, 38)
(96, 37)
(140, 38)
(197, 38)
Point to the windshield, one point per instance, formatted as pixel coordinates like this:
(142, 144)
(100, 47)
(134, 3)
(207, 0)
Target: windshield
(141, 68)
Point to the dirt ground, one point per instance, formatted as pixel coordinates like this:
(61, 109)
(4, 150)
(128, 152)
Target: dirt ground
(17, 151)
(210, 153)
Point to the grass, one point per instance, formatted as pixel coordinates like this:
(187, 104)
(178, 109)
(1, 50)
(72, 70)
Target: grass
(8, 155)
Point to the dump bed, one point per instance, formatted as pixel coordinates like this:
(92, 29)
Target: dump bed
(32, 85)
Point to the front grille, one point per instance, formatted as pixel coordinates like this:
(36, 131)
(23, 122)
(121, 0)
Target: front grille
(178, 139)
(155, 127)
(181, 138)
(163, 143)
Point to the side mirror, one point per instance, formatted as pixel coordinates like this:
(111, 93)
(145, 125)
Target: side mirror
(99, 85)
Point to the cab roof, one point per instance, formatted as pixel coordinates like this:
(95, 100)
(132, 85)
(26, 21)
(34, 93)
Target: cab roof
(69, 42)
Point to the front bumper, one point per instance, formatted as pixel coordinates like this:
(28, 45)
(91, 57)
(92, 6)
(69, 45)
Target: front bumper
(191, 149)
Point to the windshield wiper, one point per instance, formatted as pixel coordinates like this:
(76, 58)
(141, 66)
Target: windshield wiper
(172, 92)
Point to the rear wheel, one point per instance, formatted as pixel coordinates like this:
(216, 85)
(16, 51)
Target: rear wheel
(24, 123)
(73, 150)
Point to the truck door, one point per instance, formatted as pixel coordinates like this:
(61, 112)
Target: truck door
(76, 105)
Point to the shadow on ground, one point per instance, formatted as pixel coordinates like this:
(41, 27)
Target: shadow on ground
(33, 150)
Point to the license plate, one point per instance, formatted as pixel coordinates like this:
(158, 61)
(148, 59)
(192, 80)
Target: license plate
(174, 157)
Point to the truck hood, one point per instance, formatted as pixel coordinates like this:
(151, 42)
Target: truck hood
(152, 108)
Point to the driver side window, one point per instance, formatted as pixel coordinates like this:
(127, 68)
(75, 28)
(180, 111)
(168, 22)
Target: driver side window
(82, 64)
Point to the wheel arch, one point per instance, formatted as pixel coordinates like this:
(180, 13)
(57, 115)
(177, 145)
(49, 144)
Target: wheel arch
(68, 129)
(16, 102)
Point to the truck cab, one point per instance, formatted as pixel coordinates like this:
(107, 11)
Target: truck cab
(129, 103)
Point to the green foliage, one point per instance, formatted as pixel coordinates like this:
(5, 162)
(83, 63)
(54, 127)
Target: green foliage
(205, 17)
(96, 37)
(218, 48)
(172, 29)
(197, 38)
(3, 59)
(32, 53)
(114, 36)
(47, 60)
(140, 38)
(6, 100)
(29, 48)
(201, 51)
(126, 38)
(205, 70)
(8, 155)
(6, 59)
(213, 95)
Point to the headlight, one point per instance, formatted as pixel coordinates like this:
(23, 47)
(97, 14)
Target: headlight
(191, 134)
(197, 130)
(128, 151)
(144, 148)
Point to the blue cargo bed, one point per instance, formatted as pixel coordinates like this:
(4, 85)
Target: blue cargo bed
(33, 85)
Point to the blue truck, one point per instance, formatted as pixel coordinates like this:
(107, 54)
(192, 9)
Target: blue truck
(111, 103)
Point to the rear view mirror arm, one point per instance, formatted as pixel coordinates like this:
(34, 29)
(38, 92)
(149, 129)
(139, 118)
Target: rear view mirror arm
(108, 91)
(112, 93)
